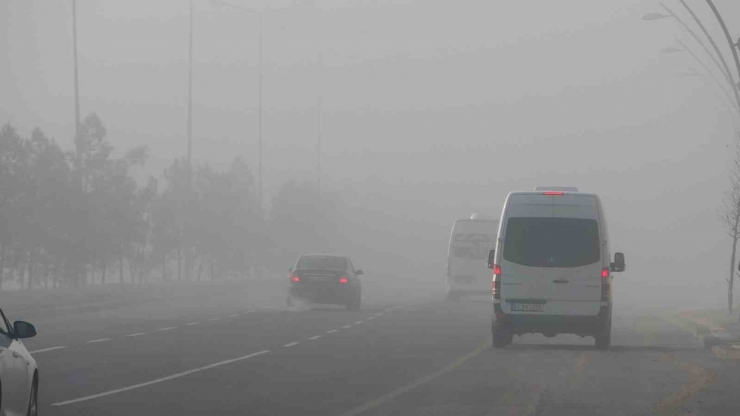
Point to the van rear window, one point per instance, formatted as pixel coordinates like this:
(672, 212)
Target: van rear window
(552, 242)
(472, 246)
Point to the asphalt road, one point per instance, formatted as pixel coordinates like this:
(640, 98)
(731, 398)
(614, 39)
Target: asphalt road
(228, 352)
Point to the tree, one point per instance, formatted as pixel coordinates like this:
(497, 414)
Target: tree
(730, 217)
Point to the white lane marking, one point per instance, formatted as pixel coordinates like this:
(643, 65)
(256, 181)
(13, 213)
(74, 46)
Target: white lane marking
(347, 326)
(160, 380)
(98, 340)
(370, 318)
(192, 323)
(48, 349)
(331, 331)
(213, 319)
(138, 334)
(315, 337)
(292, 344)
(358, 322)
(379, 313)
(234, 315)
(166, 329)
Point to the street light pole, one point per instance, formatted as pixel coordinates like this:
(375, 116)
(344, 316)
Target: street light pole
(260, 115)
(77, 84)
(318, 141)
(190, 98)
(727, 35)
(260, 14)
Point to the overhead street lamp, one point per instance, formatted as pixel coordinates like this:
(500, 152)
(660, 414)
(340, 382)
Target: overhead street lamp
(716, 57)
(260, 14)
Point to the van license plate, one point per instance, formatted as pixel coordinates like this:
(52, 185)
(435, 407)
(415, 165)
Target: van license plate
(527, 307)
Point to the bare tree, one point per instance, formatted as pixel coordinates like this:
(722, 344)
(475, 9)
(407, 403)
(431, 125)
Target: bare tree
(730, 217)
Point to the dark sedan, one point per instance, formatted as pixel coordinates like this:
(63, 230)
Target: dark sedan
(325, 279)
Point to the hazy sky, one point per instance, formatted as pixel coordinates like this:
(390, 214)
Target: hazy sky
(443, 106)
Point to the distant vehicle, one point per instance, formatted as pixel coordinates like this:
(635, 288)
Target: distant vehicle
(325, 279)
(552, 269)
(470, 241)
(19, 378)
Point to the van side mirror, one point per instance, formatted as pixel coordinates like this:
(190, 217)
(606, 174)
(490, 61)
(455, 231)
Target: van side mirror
(619, 264)
(491, 258)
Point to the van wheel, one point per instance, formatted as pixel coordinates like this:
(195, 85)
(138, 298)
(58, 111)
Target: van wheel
(604, 340)
(502, 336)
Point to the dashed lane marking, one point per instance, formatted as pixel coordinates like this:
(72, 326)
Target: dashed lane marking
(138, 334)
(98, 340)
(358, 322)
(292, 344)
(192, 323)
(347, 326)
(234, 315)
(160, 380)
(169, 328)
(47, 349)
(315, 337)
(331, 331)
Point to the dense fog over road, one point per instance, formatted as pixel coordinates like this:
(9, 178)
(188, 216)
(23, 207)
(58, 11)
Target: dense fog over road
(381, 123)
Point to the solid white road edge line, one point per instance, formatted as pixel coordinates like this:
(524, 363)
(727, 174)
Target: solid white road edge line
(160, 380)
(48, 349)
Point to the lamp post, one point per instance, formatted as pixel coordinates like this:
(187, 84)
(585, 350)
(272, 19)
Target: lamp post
(260, 14)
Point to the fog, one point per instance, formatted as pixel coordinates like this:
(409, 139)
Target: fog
(431, 110)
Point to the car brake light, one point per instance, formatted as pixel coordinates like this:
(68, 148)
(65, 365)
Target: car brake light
(496, 283)
(294, 278)
(342, 280)
(604, 273)
(553, 193)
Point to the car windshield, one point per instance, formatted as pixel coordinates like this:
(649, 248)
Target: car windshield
(552, 242)
(322, 262)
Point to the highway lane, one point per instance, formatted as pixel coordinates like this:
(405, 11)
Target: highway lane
(420, 358)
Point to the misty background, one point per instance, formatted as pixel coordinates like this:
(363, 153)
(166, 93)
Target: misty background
(432, 110)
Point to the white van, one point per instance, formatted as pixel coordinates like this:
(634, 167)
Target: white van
(552, 268)
(471, 240)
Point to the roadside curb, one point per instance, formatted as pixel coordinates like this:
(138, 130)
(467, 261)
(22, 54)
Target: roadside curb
(714, 338)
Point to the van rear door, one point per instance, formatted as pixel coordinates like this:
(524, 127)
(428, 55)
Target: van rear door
(525, 288)
(577, 248)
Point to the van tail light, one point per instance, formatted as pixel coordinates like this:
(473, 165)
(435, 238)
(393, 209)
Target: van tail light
(553, 193)
(496, 283)
(294, 278)
(605, 285)
(343, 280)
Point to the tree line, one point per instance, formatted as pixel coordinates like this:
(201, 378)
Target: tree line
(77, 216)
